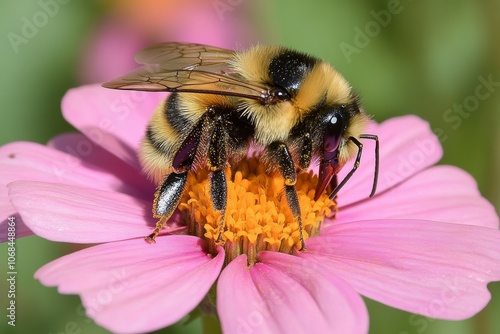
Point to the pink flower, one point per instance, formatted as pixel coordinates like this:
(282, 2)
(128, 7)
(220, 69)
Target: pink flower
(427, 243)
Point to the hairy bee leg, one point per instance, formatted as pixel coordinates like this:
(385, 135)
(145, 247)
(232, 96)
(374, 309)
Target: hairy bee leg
(168, 196)
(280, 152)
(218, 193)
(305, 154)
(357, 163)
(166, 201)
(217, 160)
(293, 201)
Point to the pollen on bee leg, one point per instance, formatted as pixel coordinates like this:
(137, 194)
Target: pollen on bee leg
(257, 215)
(160, 224)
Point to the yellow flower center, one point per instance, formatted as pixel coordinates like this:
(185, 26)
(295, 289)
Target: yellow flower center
(257, 216)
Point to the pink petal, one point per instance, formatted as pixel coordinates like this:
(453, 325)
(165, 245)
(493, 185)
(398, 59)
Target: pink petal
(115, 120)
(284, 294)
(440, 193)
(12, 224)
(95, 157)
(241, 307)
(439, 270)
(340, 308)
(135, 287)
(407, 146)
(82, 215)
(31, 161)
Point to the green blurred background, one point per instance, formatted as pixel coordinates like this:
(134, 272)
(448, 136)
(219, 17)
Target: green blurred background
(408, 57)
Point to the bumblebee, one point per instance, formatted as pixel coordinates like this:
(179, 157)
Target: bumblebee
(297, 108)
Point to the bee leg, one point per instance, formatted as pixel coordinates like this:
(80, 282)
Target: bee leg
(280, 153)
(168, 196)
(218, 193)
(357, 163)
(167, 199)
(217, 161)
(305, 154)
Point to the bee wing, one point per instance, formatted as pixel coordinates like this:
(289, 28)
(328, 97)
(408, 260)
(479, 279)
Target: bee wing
(179, 67)
(175, 56)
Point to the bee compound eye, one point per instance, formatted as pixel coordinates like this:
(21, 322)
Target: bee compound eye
(333, 133)
(280, 93)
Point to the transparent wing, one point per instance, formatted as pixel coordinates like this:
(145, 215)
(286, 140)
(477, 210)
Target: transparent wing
(176, 56)
(179, 67)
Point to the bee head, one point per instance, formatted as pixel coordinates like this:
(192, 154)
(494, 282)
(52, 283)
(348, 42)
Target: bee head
(333, 149)
(335, 126)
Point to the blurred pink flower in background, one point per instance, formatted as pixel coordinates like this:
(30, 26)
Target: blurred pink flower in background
(133, 25)
(427, 243)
